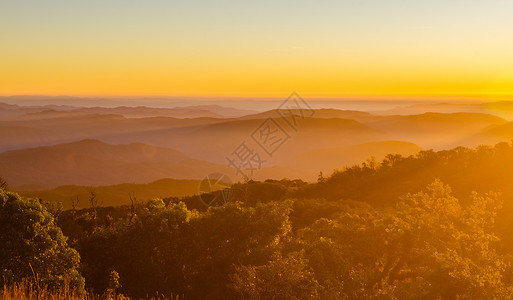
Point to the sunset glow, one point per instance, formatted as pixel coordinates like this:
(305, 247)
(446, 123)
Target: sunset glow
(232, 48)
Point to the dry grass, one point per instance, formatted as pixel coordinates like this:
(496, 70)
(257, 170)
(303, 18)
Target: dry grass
(26, 290)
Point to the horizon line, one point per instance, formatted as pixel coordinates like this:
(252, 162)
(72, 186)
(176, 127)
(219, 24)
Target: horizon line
(355, 97)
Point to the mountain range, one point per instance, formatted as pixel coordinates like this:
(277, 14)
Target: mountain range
(52, 145)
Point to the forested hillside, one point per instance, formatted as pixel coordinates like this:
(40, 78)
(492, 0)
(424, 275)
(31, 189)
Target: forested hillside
(432, 225)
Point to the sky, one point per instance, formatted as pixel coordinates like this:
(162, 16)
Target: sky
(345, 48)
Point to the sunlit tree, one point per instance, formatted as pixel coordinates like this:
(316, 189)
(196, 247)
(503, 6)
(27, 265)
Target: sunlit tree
(32, 246)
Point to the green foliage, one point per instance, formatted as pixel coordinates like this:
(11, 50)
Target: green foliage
(430, 246)
(33, 246)
(452, 247)
(282, 278)
(172, 249)
(113, 281)
(382, 184)
(387, 230)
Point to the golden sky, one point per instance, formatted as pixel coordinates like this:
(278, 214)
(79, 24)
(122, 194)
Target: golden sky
(375, 48)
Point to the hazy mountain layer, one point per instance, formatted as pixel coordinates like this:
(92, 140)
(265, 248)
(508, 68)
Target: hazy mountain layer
(93, 163)
(189, 148)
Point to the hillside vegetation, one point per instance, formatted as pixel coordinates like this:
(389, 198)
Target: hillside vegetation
(432, 225)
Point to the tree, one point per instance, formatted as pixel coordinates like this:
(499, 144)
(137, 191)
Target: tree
(282, 278)
(133, 205)
(33, 246)
(74, 203)
(430, 247)
(146, 253)
(94, 204)
(232, 235)
(344, 252)
(438, 248)
(3, 184)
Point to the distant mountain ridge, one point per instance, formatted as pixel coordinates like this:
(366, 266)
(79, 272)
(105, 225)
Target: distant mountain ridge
(503, 109)
(91, 162)
(181, 112)
(116, 194)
